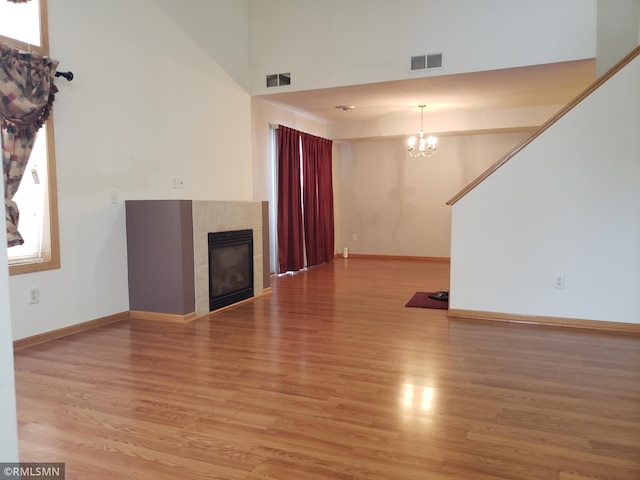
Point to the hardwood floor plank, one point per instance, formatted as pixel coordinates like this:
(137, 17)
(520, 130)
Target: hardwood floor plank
(331, 377)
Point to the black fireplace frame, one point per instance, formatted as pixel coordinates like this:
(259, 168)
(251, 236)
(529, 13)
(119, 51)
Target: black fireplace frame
(228, 239)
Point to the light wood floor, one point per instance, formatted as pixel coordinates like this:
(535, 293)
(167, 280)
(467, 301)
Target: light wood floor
(331, 377)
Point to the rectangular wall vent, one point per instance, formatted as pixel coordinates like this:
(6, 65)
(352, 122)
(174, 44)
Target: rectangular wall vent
(284, 79)
(278, 79)
(418, 62)
(424, 62)
(434, 60)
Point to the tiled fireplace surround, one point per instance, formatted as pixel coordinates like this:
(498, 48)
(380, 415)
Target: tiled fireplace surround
(221, 217)
(168, 252)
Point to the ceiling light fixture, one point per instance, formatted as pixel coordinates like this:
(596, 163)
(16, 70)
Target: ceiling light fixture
(426, 146)
(346, 108)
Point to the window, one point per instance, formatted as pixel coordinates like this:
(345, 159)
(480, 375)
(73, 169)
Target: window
(24, 26)
(273, 202)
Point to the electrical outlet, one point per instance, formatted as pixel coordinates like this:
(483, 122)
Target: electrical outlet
(178, 182)
(34, 295)
(558, 281)
(354, 237)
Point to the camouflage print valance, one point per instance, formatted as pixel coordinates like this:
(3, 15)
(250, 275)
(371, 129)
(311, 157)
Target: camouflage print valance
(26, 90)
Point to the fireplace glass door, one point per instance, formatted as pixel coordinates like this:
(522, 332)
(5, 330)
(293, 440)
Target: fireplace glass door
(230, 267)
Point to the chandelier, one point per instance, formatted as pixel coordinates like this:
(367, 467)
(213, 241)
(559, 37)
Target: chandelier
(426, 146)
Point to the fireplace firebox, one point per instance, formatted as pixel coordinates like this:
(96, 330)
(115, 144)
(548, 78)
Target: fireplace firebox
(230, 267)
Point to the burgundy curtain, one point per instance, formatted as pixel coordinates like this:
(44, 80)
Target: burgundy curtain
(26, 99)
(318, 199)
(290, 232)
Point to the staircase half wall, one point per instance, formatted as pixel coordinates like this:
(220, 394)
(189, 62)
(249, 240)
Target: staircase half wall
(565, 205)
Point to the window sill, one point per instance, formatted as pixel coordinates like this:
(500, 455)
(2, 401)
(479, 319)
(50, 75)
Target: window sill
(31, 267)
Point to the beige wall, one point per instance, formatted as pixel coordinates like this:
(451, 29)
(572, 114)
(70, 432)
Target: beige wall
(396, 205)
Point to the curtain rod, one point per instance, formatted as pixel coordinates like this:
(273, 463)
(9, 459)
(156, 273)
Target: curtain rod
(67, 75)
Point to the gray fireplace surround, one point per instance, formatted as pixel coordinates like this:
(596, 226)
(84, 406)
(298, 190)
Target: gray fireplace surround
(167, 251)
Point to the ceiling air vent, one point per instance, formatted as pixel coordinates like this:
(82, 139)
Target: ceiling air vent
(424, 62)
(278, 80)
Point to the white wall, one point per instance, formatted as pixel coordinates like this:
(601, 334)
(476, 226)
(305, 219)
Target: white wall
(8, 420)
(395, 204)
(451, 122)
(336, 42)
(157, 94)
(618, 31)
(568, 204)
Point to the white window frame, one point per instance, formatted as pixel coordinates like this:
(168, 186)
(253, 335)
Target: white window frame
(50, 257)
